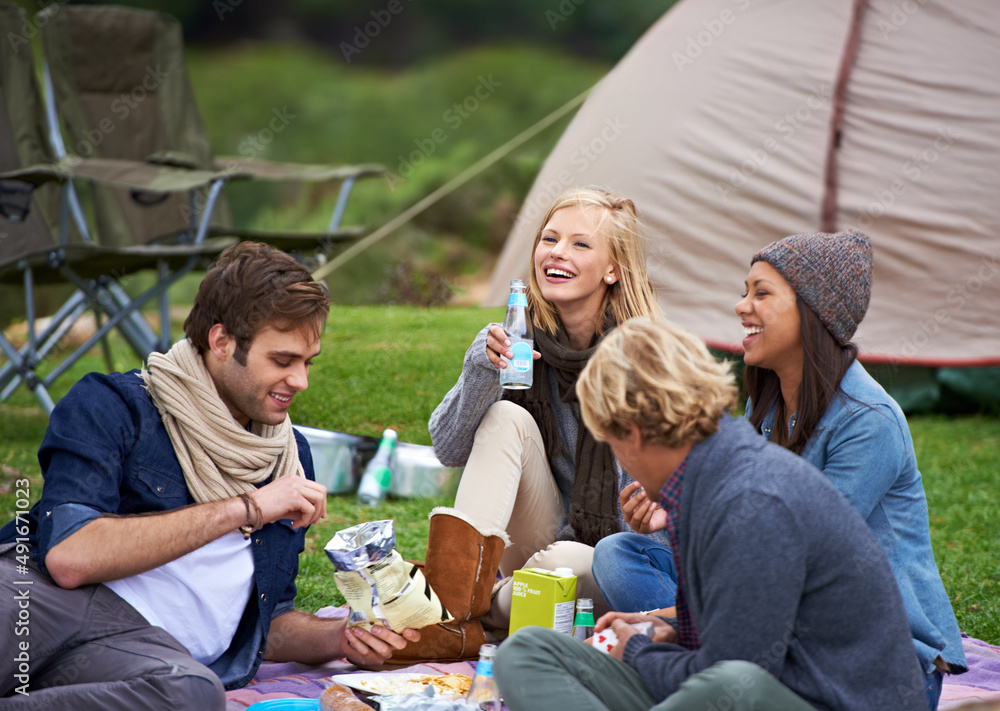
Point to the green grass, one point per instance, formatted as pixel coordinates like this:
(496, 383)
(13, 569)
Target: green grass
(390, 366)
(958, 460)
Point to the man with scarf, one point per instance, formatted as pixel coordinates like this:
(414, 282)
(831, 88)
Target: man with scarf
(160, 561)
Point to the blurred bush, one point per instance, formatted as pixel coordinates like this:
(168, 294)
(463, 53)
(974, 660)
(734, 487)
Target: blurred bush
(425, 124)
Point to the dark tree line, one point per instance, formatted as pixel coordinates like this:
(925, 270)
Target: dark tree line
(412, 30)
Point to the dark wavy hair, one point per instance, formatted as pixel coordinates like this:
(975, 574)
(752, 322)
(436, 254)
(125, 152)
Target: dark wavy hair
(253, 285)
(824, 364)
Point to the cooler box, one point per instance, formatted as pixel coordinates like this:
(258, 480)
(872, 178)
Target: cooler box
(543, 597)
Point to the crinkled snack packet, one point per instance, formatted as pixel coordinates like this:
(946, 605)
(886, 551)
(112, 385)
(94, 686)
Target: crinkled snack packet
(378, 584)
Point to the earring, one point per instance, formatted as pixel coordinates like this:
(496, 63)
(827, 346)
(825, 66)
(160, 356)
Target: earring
(608, 278)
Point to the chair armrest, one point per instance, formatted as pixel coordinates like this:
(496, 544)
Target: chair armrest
(299, 172)
(141, 175)
(37, 174)
(137, 175)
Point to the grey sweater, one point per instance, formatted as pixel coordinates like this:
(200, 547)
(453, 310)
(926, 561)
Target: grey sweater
(780, 570)
(454, 422)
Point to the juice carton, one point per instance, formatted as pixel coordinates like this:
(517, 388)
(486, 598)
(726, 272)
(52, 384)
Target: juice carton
(543, 597)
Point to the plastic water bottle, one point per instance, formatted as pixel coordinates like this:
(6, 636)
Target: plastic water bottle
(375, 481)
(484, 693)
(517, 324)
(583, 623)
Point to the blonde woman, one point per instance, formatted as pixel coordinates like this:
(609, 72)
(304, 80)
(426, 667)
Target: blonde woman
(534, 477)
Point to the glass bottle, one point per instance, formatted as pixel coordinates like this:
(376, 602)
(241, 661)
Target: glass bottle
(484, 693)
(517, 324)
(378, 473)
(583, 623)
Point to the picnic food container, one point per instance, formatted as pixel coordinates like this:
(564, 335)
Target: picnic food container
(419, 473)
(337, 457)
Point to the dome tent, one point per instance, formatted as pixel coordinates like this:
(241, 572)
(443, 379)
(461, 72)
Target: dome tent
(732, 123)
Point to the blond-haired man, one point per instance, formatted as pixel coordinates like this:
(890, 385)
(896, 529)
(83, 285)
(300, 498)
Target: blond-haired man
(785, 600)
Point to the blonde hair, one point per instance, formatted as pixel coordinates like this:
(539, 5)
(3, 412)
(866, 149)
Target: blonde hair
(658, 376)
(632, 295)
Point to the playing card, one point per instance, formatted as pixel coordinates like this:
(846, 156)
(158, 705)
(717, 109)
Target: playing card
(606, 640)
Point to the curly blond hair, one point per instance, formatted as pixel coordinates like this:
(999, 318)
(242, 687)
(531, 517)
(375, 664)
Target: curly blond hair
(658, 376)
(632, 295)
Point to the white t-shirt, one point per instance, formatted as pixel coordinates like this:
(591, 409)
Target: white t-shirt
(198, 598)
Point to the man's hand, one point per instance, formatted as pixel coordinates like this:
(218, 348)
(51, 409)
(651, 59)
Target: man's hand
(298, 636)
(642, 514)
(372, 648)
(621, 623)
(113, 547)
(293, 497)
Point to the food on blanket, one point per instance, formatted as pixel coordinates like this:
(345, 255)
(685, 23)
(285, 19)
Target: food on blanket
(378, 584)
(388, 685)
(339, 698)
(457, 684)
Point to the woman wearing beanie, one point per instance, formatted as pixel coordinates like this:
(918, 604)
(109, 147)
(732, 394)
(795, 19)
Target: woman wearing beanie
(805, 296)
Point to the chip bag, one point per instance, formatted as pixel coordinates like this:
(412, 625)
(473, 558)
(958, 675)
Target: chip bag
(380, 587)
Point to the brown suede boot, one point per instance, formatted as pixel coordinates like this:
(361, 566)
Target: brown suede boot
(461, 567)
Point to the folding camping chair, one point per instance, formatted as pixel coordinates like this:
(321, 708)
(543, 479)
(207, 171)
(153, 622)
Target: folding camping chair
(42, 241)
(118, 79)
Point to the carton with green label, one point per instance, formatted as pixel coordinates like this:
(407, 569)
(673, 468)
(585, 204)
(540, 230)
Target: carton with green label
(543, 597)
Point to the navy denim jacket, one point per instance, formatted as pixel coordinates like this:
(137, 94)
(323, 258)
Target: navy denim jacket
(106, 451)
(863, 445)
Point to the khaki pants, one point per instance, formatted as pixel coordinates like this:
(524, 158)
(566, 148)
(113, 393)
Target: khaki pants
(507, 483)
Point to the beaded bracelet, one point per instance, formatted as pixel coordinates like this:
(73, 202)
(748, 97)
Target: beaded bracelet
(251, 525)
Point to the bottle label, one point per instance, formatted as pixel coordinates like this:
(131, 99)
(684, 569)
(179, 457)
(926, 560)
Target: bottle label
(521, 362)
(484, 667)
(383, 475)
(517, 299)
(584, 618)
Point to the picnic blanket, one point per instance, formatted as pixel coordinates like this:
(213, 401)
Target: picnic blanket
(291, 680)
(981, 682)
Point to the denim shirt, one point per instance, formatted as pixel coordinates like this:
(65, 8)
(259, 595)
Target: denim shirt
(106, 451)
(863, 445)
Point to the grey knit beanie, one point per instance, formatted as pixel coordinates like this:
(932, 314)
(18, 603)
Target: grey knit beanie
(832, 273)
